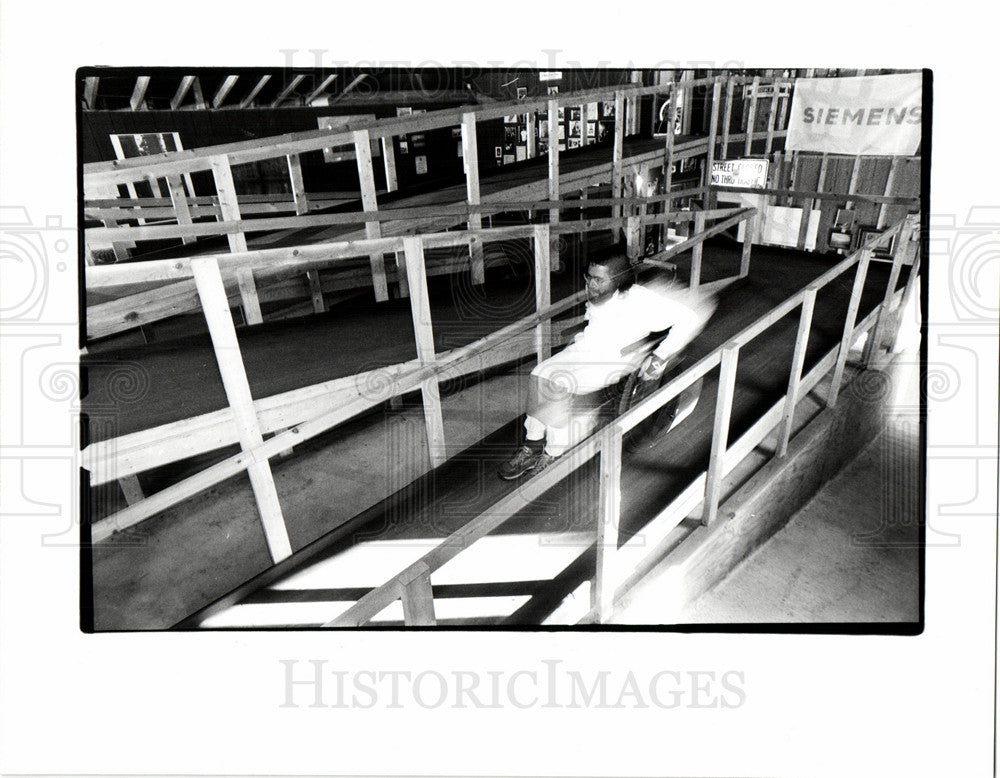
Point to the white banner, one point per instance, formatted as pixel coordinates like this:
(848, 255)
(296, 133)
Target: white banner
(866, 115)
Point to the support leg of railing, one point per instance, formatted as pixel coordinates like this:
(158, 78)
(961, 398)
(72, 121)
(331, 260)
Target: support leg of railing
(798, 361)
(616, 159)
(229, 210)
(215, 304)
(727, 122)
(720, 431)
(713, 134)
(606, 580)
(418, 598)
(908, 291)
(873, 345)
(175, 186)
(543, 290)
(423, 331)
(696, 252)
(369, 202)
(852, 315)
(298, 185)
(751, 117)
(131, 489)
(748, 233)
(633, 243)
(668, 146)
(470, 161)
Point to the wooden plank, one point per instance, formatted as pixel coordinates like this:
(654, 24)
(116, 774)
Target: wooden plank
(852, 315)
(617, 150)
(772, 117)
(810, 204)
(230, 210)
(315, 291)
(729, 118)
(289, 88)
(90, 85)
(532, 141)
(299, 195)
(543, 289)
(899, 254)
(138, 99)
(321, 89)
(751, 117)
(223, 91)
(748, 231)
(795, 376)
(423, 332)
(418, 599)
(853, 185)
(199, 96)
(131, 489)
(178, 199)
(609, 520)
(908, 292)
(215, 304)
(894, 167)
(470, 161)
(720, 431)
(389, 163)
(713, 134)
(668, 152)
(248, 100)
(369, 201)
(696, 252)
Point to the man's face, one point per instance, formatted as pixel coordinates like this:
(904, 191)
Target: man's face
(600, 283)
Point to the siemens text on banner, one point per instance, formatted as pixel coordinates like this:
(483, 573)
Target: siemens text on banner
(866, 115)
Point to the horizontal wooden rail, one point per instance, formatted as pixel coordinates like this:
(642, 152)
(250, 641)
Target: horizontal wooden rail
(303, 257)
(799, 193)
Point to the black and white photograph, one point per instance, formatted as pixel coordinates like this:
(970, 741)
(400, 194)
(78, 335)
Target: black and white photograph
(347, 408)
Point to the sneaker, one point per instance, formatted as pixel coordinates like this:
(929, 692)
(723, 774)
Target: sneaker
(543, 461)
(523, 460)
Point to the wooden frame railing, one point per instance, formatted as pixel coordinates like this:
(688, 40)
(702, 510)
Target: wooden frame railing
(103, 177)
(297, 416)
(413, 585)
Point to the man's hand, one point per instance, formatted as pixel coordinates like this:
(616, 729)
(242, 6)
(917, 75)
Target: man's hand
(653, 369)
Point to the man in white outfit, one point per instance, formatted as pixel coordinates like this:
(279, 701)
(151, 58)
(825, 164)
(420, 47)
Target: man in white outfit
(620, 315)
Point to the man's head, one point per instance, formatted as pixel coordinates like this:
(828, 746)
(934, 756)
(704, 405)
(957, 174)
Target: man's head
(607, 275)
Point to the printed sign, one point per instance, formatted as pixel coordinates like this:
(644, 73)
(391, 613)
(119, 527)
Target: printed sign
(866, 115)
(751, 173)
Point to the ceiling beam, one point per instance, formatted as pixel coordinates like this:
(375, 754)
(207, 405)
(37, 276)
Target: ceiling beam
(199, 96)
(357, 80)
(181, 93)
(224, 90)
(253, 92)
(321, 89)
(90, 92)
(138, 100)
(287, 91)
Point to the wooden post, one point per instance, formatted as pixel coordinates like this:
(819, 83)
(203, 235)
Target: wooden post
(369, 202)
(543, 289)
(808, 205)
(748, 232)
(418, 599)
(315, 291)
(720, 431)
(633, 242)
(793, 175)
(668, 151)
(616, 161)
(90, 92)
(712, 137)
(752, 116)
(584, 235)
(175, 185)
(729, 117)
(554, 256)
(900, 250)
(298, 186)
(602, 594)
(699, 227)
(772, 117)
(389, 162)
(423, 332)
(908, 291)
(470, 161)
(889, 182)
(215, 304)
(795, 377)
(229, 210)
(131, 489)
(852, 315)
(531, 128)
(853, 185)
